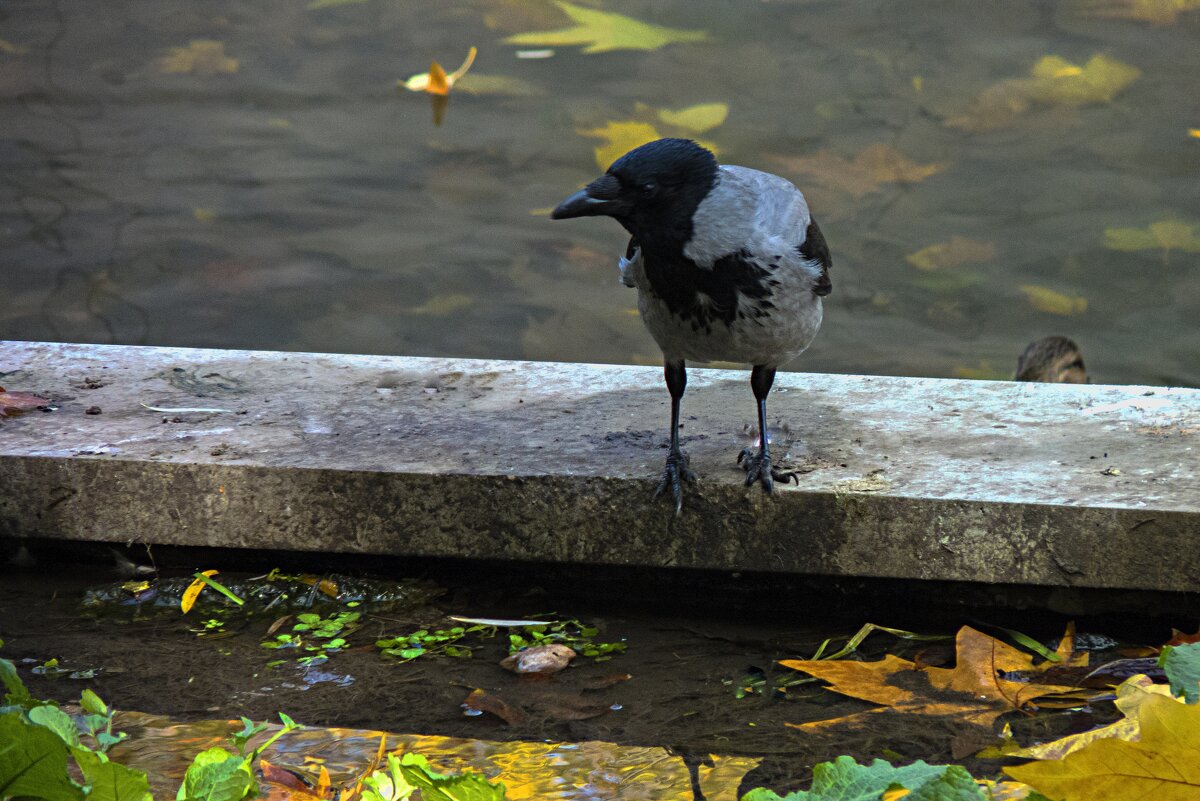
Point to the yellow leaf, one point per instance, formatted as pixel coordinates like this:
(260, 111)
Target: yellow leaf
(1164, 765)
(1194, 133)
(12, 49)
(1051, 302)
(981, 372)
(1159, 12)
(895, 794)
(1166, 234)
(877, 165)
(602, 31)
(204, 215)
(441, 305)
(619, 138)
(720, 782)
(436, 81)
(696, 119)
(955, 253)
(189, 595)
(200, 57)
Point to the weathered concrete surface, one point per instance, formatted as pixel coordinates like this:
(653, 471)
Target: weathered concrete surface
(913, 478)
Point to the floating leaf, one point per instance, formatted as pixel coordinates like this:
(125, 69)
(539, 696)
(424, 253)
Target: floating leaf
(437, 81)
(955, 253)
(1051, 302)
(1194, 133)
(441, 305)
(1166, 234)
(17, 402)
(1159, 12)
(200, 57)
(12, 49)
(879, 164)
(1164, 764)
(204, 215)
(696, 119)
(602, 31)
(1052, 80)
(333, 3)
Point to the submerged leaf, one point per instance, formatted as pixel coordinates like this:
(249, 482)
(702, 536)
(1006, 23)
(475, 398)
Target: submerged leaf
(879, 164)
(200, 57)
(955, 253)
(619, 138)
(1052, 80)
(1052, 302)
(603, 31)
(1166, 234)
(696, 119)
(1159, 12)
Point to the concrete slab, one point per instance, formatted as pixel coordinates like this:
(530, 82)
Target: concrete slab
(1095, 486)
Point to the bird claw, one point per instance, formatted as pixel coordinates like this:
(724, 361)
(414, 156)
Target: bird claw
(759, 468)
(676, 470)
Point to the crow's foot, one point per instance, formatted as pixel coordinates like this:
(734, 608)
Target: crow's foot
(759, 468)
(675, 471)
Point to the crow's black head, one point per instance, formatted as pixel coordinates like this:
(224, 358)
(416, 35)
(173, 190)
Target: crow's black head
(652, 190)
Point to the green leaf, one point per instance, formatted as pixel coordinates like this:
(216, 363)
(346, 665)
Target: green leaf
(603, 31)
(217, 775)
(846, 780)
(92, 703)
(1182, 666)
(33, 762)
(109, 781)
(435, 786)
(15, 692)
(56, 721)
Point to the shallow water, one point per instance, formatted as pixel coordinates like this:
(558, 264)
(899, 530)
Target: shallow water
(278, 191)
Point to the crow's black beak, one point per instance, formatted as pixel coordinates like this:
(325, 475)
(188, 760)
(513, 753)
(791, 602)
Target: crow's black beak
(601, 197)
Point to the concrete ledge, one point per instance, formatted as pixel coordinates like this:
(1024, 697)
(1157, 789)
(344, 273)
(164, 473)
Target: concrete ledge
(1094, 486)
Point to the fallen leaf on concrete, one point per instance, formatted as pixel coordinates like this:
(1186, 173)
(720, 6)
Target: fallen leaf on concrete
(16, 402)
(879, 164)
(481, 701)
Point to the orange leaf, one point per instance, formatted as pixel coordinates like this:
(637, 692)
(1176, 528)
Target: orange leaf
(17, 402)
(438, 85)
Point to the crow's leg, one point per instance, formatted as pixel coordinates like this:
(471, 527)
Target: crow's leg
(677, 461)
(758, 466)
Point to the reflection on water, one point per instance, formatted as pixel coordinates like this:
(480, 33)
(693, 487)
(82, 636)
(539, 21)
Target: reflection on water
(595, 771)
(236, 175)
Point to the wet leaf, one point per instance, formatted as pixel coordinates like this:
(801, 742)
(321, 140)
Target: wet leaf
(1053, 80)
(1181, 663)
(16, 402)
(1166, 234)
(1164, 764)
(720, 780)
(435, 786)
(442, 305)
(619, 138)
(218, 775)
(603, 31)
(437, 81)
(846, 780)
(954, 253)
(481, 701)
(200, 57)
(193, 591)
(971, 691)
(879, 164)
(1052, 302)
(1159, 12)
(696, 119)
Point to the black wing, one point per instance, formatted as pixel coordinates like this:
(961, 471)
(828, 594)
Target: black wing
(815, 249)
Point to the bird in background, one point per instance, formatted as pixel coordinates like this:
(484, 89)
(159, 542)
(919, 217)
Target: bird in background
(1052, 360)
(729, 265)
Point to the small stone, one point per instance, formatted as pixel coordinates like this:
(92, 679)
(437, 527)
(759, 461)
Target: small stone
(93, 410)
(539, 659)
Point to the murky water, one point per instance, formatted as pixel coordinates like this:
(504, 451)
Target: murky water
(236, 175)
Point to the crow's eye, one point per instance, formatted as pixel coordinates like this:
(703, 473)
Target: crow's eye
(649, 189)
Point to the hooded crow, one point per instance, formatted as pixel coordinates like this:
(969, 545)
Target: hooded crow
(728, 264)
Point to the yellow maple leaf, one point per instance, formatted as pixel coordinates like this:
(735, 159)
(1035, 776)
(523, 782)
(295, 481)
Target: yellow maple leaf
(1166, 234)
(1164, 764)
(603, 31)
(1052, 302)
(1159, 12)
(877, 165)
(619, 138)
(955, 253)
(696, 119)
(1052, 80)
(437, 81)
(200, 57)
